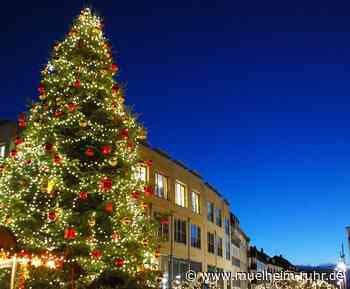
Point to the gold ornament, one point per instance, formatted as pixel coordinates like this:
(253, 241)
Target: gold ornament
(42, 96)
(143, 133)
(113, 162)
(51, 185)
(83, 123)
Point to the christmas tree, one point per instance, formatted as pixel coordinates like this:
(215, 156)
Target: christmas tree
(69, 190)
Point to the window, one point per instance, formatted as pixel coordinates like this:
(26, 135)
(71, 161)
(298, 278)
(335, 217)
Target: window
(195, 236)
(163, 231)
(195, 202)
(210, 207)
(219, 246)
(180, 232)
(237, 262)
(2, 151)
(141, 173)
(180, 267)
(161, 186)
(227, 226)
(218, 218)
(180, 195)
(211, 243)
(227, 248)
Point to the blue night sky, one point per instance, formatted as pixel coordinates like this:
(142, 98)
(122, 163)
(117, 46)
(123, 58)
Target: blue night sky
(252, 94)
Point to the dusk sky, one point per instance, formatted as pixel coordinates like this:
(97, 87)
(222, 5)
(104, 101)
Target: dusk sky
(254, 95)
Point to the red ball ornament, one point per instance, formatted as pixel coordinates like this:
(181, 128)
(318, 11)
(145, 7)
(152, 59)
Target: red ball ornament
(52, 216)
(18, 141)
(48, 147)
(13, 153)
(72, 106)
(115, 89)
(119, 262)
(114, 68)
(77, 83)
(58, 113)
(97, 254)
(106, 150)
(124, 133)
(41, 88)
(109, 208)
(135, 195)
(22, 123)
(70, 234)
(149, 163)
(89, 152)
(83, 196)
(106, 184)
(148, 191)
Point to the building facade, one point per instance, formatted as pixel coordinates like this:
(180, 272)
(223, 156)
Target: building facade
(201, 233)
(197, 230)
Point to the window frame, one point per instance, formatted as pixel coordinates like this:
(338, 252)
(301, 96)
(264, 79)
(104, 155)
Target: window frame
(219, 224)
(196, 209)
(138, 173)
(165, 181)
(211, 243)
(180, 231)
(196, 242)
(184, 196)
(211, 217)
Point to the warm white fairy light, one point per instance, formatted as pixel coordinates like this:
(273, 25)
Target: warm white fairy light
(41, 185)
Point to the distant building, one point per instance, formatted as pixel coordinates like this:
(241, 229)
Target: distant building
(7, 133)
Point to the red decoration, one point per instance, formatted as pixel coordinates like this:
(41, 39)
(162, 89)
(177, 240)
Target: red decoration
(77, 83)
(164, 221)
(114, 68)
(22, 123)
(130, 145)
(52, 216)
(28, 162)
(48, 147)
(13, 153)
(106, 184)
(57, 159)
(70, 234)
(41, 88)
(97, 254)
(18, 141)
(72, 106)
(148, 191)
(58, 113)
(124, 133)
(119, 262)
(106, 150)
(109, 208)
(24, 254)
(115, 89)
(135, 195)
(83, 196)
(90, 152)
(149, 163)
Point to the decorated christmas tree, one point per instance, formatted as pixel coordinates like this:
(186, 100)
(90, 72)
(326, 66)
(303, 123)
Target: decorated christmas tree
(69, 190)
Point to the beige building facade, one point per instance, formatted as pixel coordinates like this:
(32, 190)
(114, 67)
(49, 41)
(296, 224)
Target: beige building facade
(201, 233)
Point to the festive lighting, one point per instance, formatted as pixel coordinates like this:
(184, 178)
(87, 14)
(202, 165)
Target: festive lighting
(69, 184)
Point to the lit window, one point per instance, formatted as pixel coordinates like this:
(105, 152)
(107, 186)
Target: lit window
(195, 202)
(141, 173)
(210, 207)
(2, 151)
(180, 195)
(195, 236)
(161, 186)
